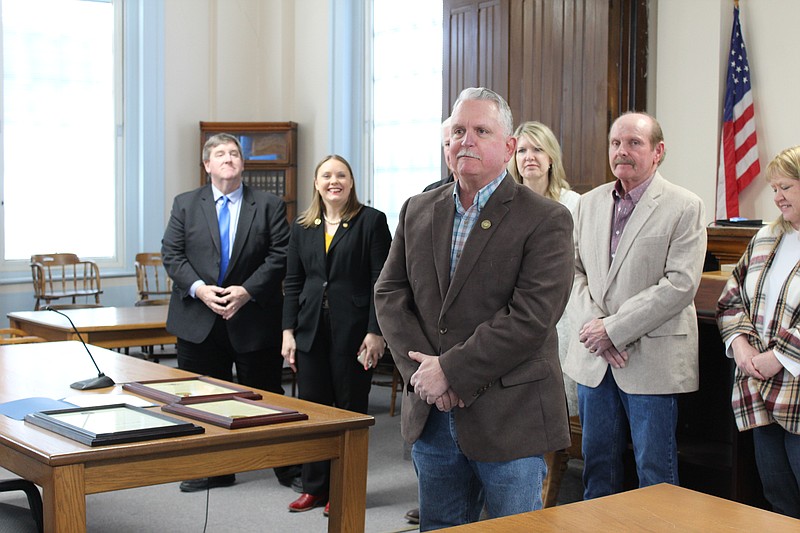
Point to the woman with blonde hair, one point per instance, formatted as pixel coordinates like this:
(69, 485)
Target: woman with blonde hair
(537, 164)
(758, 318)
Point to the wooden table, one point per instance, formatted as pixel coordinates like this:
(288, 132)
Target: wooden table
(709, 291)
(657, 508)
(728, 243)
(68, 470)
(109, 327)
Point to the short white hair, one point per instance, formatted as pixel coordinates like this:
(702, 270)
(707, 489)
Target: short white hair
(482, 93)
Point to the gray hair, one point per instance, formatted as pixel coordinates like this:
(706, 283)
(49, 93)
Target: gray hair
(218, 139)
(445, 126)
(482, 93)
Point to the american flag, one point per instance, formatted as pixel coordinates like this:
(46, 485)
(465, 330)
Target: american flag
(738, 150)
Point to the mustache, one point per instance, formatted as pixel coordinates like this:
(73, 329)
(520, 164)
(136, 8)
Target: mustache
(623, 161)
(464, 152)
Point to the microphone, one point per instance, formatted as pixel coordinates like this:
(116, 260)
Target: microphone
(101, 381)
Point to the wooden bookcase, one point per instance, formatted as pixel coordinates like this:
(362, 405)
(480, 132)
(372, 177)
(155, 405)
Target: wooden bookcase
(270, 156)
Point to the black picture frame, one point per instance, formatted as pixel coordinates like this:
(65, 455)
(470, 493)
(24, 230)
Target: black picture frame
(111, 424)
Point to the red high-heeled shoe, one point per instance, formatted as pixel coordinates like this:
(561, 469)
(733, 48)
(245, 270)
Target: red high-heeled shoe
(306, 502)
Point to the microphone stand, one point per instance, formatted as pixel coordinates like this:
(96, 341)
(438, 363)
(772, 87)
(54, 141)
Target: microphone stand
(101, 381)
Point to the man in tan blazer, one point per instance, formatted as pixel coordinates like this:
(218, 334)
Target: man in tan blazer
(477, 276)
(639, 248)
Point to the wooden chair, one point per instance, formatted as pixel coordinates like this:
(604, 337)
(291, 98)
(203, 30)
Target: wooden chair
(154, 288)
(557, 464)
(151, 278)
(58, 276)
(287, 374)
(386, 367)
(34, 498)
(149, 352)
(17, 336)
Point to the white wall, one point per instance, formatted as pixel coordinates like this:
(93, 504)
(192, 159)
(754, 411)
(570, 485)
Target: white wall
(268, 60)
(692, 41)
(231, 60)
(244, 60)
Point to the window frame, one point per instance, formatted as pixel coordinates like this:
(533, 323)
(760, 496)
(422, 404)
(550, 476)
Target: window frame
(139, 141)
(351, 96)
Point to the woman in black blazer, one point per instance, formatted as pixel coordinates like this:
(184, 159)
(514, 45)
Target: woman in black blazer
(331, 337)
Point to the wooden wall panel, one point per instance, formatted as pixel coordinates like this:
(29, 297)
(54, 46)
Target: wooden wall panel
(558, 73)
(571, 64)
(476, 47)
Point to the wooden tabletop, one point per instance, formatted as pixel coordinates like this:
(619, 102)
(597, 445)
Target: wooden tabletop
(658, 508)
(97, 318)
(47, 369)
(59, 464)
(708, 293)
(109, 327)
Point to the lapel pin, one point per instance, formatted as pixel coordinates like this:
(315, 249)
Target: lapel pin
(317, 222)
(486, 224)
(345, 225)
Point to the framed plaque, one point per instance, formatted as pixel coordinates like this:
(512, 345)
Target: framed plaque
(181, 390)
(111, 424)
(233, 413)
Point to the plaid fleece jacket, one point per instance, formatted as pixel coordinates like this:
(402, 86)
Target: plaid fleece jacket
(740, 310)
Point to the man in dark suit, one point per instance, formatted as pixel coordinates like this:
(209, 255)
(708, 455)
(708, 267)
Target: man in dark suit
(225, 250)
(478, 274)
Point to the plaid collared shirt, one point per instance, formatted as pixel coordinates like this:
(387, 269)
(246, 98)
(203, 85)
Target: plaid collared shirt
(465, 219)
(624, 204)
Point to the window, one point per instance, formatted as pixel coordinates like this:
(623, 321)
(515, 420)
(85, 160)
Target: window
(386, 97)
(74, 164)
(407, 100)
(59, 116)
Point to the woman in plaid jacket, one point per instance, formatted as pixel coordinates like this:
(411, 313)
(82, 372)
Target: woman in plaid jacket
(758, 315)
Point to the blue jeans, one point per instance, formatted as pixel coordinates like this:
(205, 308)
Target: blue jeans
(453, 489)
(607, 414)
(778, 460)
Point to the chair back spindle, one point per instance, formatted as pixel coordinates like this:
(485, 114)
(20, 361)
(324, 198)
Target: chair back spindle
(64, 275)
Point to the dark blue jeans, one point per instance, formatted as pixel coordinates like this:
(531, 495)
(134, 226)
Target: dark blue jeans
(453, 489)
(607, 413)
(778, 461)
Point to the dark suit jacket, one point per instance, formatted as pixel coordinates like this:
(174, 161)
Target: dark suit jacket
(347, 272)
(492, 325)
(191, 251)
(436, 184)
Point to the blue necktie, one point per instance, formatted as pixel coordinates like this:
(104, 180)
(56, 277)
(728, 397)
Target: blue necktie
(224, 219)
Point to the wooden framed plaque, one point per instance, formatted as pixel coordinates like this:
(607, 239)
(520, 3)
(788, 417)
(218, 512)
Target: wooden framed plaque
(233, 413)
(181, 390)
(111, 424)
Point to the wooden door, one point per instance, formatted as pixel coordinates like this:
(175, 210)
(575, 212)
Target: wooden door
(475, 47)
(572, 64)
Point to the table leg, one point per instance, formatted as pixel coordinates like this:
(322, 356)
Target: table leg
(65, 500)
(348, 490)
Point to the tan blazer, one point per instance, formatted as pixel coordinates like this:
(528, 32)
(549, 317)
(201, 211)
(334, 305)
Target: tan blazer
(493, 325)
(646, 294)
